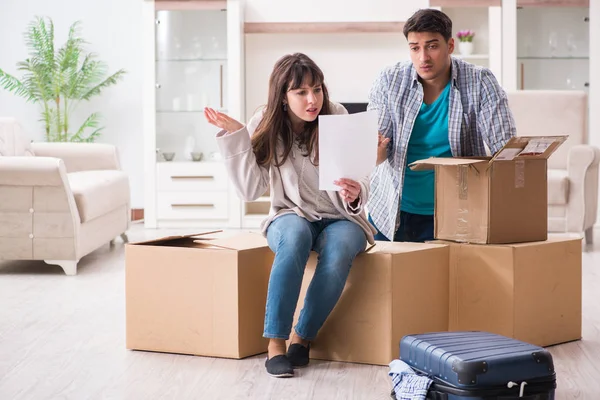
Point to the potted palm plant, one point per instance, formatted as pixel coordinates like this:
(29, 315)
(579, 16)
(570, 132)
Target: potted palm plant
(59, 79)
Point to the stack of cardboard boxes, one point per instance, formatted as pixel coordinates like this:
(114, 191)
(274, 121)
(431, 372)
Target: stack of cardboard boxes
(491, 268)
(506, 276)
(205, 295)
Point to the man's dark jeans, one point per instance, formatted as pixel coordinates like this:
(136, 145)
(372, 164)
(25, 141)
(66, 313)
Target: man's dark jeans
(413, 228)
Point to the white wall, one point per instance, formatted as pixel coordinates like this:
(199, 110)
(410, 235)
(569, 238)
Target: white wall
(113, 29)
(331, 10)
(476, 19)
(350, 62)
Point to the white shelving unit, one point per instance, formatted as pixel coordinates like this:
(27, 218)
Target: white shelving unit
(547, 45)
(553, 48)
(194, 58)
(554, 45)
(486, 21)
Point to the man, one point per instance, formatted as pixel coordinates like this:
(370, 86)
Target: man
(431, 106)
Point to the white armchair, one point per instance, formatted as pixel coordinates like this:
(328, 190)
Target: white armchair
(573, 169)
(58, 201)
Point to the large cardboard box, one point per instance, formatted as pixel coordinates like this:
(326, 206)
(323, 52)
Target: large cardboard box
(503, 199)
(529, 291)
(197, 295)
(393, 289)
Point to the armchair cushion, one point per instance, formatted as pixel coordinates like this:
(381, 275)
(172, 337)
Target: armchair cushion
(558, 187)
(98, 192)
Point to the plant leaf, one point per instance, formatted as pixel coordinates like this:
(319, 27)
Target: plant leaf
(111, 80)
(91, 122)
(13, 84)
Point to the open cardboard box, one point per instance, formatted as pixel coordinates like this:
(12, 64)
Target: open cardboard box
(198, 294)
(503, 199)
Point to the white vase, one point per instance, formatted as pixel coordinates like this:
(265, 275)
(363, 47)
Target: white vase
(465, 48)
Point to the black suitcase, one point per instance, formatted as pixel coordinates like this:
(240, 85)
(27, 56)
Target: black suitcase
(480, 366)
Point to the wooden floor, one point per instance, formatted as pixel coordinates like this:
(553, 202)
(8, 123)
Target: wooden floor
(64, 338)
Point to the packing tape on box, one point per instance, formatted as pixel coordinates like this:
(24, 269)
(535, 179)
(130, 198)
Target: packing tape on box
(462, 220)
(519, 173)
(463, 182)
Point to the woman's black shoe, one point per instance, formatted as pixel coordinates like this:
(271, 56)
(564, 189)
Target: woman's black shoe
(279, 367)
(298, 355)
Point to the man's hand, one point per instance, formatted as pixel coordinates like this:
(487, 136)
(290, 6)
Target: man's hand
(350, 189)
(221, 120)
(382, 148)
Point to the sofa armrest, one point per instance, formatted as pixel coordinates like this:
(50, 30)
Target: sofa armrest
(80, 156)
(582, 168)
(39, 218)
(32, 171)
(46, 175)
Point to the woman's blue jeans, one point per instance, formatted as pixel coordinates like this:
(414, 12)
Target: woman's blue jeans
(292, 238)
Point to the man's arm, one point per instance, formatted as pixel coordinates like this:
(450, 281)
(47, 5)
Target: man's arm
(495, 122)
(378, 101)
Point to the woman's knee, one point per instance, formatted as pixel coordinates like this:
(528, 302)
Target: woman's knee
(343, 245)
(290, 231)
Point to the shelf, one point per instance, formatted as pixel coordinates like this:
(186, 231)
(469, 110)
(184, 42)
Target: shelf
(264, 199)
(254, 220)
(465, 3)
(553, 58)
(323, 27)
(257, 208)
(186, 5)
(472, 56)
(190, 60)
(186, 111)
(553, 3)
(187, 162)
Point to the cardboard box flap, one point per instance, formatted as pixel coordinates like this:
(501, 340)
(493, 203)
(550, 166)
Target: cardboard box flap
(524, 147)
(401, 247)
(174, 237)
(244, 241)
(430, 163)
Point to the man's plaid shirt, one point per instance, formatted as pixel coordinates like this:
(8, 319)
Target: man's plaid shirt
(478, 113)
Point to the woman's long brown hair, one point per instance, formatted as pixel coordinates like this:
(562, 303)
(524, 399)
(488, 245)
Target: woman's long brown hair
(289, 73)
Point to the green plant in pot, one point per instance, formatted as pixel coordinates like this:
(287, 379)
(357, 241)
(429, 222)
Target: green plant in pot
(59, 79)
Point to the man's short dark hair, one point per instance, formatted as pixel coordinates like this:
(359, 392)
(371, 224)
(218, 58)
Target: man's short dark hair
(429, 20)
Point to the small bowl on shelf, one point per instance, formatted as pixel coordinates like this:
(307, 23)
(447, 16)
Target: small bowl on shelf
(168, 156)
(196, 156)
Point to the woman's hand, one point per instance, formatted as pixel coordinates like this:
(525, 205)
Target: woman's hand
(221, 120)
(350, 189)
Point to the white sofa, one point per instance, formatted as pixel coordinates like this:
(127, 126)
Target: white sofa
(573, 169)
(58, 201)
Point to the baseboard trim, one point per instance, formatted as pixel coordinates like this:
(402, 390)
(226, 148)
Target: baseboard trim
(137, 214)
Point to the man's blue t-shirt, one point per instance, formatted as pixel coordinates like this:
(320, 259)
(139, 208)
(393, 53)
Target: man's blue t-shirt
(429, 138)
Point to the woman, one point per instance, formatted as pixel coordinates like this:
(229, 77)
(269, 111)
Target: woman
(279, 149)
